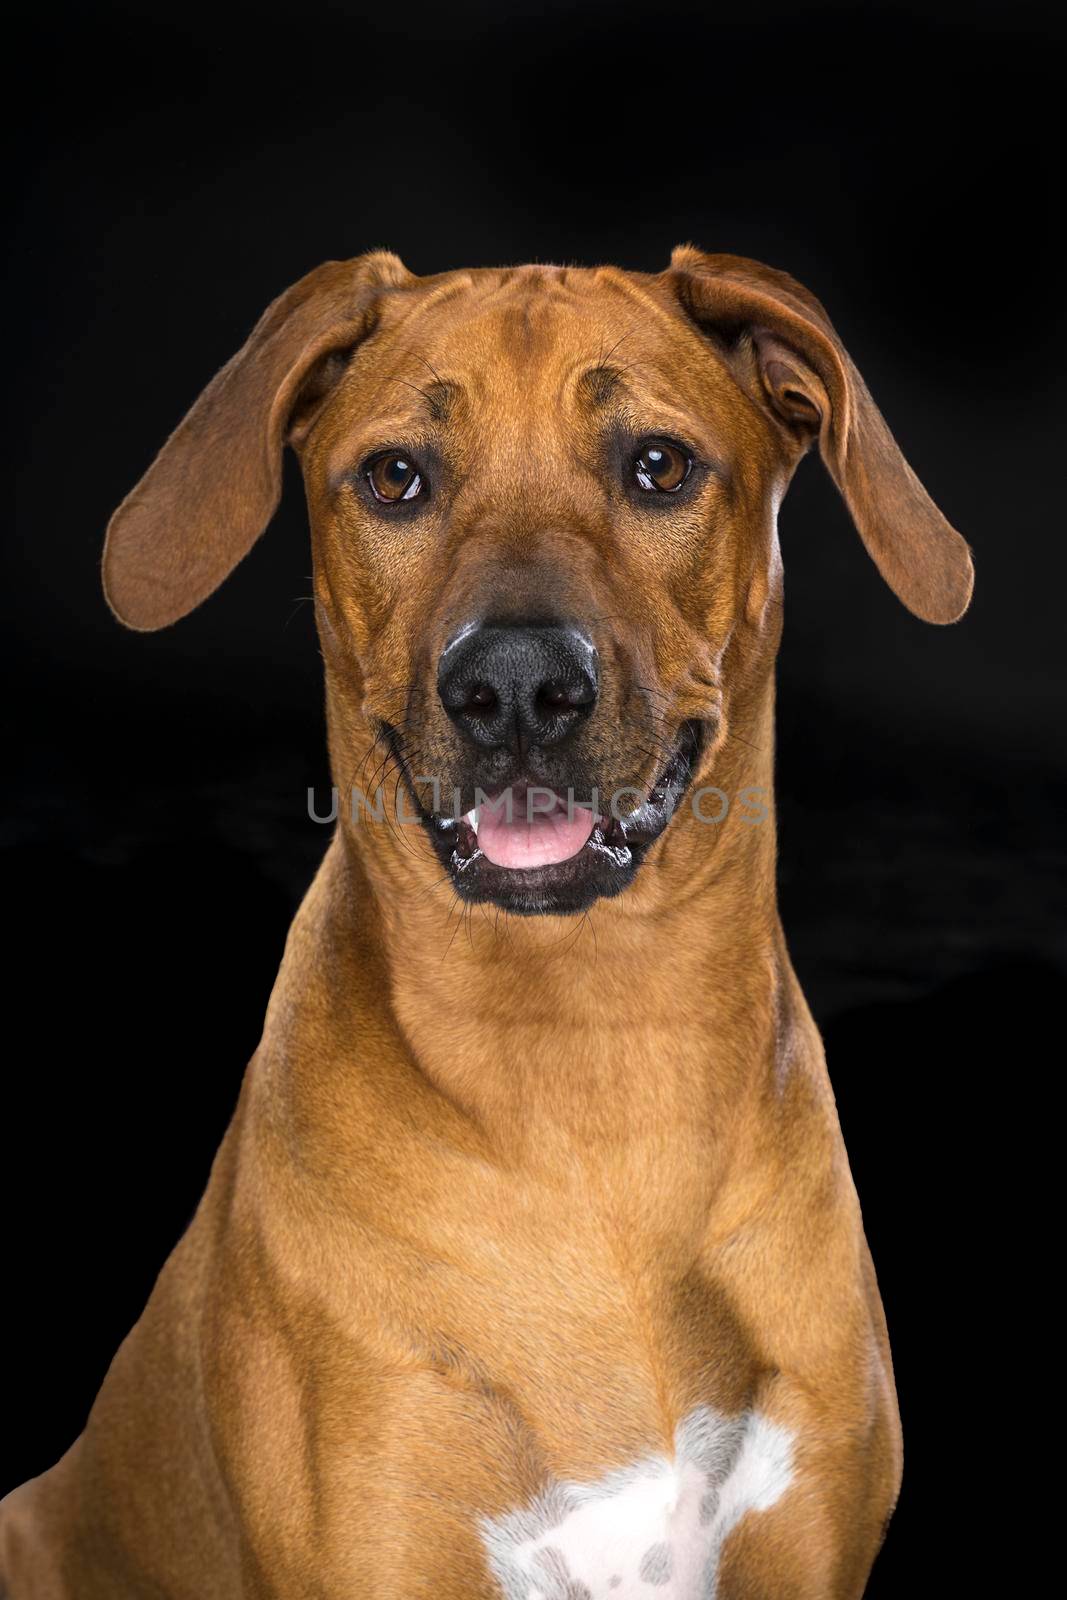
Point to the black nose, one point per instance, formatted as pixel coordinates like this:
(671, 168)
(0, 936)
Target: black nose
(518, 686)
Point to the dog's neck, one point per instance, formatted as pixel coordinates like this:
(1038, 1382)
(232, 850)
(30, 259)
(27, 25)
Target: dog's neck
(585, 1026)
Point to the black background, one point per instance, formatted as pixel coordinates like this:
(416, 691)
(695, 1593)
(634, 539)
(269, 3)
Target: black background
(174, 171)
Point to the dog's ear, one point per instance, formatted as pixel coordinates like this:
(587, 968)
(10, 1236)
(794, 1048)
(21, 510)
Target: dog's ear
(805, 375)
(215, 484)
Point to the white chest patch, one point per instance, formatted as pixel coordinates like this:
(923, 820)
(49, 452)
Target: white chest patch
(652, 1531)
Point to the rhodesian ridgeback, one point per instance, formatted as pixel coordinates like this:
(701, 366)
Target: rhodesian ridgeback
(531, 1266)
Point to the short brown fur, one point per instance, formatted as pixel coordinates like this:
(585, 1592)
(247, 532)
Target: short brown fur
(511, 1202)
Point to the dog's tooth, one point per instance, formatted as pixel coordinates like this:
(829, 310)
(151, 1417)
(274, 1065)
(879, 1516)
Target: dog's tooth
(466, 842)
(472, 820)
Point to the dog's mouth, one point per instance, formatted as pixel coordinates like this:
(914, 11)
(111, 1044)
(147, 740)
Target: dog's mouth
(539, 851)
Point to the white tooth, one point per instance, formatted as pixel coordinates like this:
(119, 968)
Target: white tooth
(472, 818)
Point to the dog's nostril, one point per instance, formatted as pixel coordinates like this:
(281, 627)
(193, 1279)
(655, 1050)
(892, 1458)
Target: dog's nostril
(481, 700)
(554, 697)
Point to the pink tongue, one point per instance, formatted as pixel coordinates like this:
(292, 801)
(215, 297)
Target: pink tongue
(540, 841)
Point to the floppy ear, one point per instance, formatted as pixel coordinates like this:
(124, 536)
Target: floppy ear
(809, 381)
(215, 484)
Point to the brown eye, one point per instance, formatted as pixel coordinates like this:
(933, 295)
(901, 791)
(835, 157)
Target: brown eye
(394, 477)
(663, 467)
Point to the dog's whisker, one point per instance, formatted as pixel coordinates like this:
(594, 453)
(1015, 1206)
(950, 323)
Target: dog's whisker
(300, 600)
(460, 905)
(436, 376)
(425, 395)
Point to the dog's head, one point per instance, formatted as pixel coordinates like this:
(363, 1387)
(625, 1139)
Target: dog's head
(543, 506)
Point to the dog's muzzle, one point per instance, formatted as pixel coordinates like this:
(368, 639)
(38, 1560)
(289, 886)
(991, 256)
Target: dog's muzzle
(524, 833)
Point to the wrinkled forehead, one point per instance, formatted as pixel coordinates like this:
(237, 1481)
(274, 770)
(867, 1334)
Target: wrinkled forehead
(535, 353)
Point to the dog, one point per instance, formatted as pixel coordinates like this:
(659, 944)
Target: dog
(530, 1265)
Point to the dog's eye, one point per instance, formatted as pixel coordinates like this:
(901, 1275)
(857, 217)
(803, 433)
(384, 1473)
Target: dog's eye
(663, 467)
(394, 477)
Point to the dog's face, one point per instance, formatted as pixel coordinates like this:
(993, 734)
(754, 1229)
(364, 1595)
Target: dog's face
(543, 506)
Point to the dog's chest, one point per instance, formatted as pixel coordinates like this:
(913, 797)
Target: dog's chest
(654, 1530)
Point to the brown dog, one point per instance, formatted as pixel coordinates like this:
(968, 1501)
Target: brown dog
(531, 1264)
